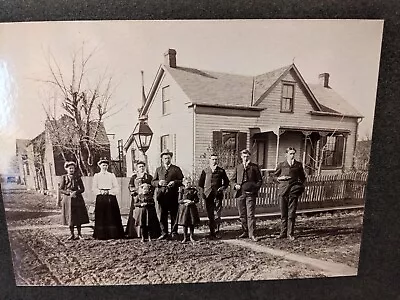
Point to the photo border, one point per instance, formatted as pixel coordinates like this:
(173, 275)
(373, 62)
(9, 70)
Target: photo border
(379, 259)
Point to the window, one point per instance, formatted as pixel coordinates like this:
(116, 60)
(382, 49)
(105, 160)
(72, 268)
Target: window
(332, 150)
(287, 97)
(227, 145)
(166, 100)
(165, 142)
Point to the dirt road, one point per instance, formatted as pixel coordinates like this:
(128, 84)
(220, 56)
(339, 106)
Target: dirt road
(41, 256)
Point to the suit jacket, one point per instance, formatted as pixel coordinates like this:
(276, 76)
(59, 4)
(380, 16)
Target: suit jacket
(297, 177)
(174, 173)
(253, 182)
(211, 181)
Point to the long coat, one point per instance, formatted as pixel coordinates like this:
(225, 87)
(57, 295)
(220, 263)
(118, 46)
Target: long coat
(73, 208)
(253, 182)
(296, 174)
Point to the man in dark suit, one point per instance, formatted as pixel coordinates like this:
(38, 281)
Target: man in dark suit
(247, 181)
(167, 180)
(291, 179)
(213, 181)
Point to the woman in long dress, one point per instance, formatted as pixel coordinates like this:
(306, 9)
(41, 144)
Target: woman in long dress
(73, 210)
(108, 223)
(141, 176)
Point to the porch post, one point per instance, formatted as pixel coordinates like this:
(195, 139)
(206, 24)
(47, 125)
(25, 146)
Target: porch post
(345, 135)
(306, 134)
(278, 134)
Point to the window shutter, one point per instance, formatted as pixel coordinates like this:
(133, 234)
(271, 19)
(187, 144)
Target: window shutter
(216, 140)
(339, 145)
(242, 141)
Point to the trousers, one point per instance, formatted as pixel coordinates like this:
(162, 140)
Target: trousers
(247, 206)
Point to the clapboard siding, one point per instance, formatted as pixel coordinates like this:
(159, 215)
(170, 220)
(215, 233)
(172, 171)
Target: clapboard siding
(271, 117)
(178, 123)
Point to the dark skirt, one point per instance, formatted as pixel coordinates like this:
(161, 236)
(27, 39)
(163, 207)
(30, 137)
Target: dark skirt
(73, 211)
(188, 215)
(107, 224)
(132, 231)
(147, 217)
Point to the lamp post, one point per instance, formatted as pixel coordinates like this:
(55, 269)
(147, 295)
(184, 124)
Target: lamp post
(142, 135)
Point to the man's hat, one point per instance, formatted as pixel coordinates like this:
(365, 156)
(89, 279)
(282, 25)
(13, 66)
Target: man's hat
(166, 152)
(103, 160)
(245, 151)
(67, 164)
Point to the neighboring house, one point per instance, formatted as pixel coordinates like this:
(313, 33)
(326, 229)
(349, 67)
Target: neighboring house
(44, 158)
(195, 112)
(22, 161)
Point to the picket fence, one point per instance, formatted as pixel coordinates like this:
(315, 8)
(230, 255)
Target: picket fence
(320, 191)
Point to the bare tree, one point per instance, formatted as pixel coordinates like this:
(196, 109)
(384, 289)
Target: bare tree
(85, 102)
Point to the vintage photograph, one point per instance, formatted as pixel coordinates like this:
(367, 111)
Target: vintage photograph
(168, 152)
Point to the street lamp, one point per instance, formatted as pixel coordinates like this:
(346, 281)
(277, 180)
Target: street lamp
(142, 135)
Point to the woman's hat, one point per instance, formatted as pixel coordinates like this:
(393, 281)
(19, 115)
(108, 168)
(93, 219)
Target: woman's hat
(67, 164)
(103, 160)
(166, 152)
(140, 162)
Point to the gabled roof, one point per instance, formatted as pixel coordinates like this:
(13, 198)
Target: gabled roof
(264, 82)
(206, 87)
(66, 122)
(332, 101)
(20, 145)
(215, 88)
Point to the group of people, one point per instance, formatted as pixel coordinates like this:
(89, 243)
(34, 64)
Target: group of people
(169, 194)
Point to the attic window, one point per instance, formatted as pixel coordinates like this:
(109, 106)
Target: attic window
(166, 100)
(287, 99)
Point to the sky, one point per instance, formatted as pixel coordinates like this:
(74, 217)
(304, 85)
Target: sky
(347, 49)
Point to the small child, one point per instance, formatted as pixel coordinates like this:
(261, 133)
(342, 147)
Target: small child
(188, 215)
(145, 214)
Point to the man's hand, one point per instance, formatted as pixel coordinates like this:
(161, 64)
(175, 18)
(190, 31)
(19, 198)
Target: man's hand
(73, 194)
(220, 189)
(237, 187)
(143, 204)
(171, 184)
(162, 182)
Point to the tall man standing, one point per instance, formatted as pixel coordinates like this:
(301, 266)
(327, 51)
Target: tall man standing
(247, 181)
(167, 180)
(291, 179)
(213, 181)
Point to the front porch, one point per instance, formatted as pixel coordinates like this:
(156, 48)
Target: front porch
(322, 151)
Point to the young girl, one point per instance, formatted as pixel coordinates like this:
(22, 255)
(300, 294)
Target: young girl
(145, 214)
(188, 215)
(74, 211)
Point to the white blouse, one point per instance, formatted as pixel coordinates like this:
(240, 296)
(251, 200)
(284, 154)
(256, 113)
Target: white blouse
(105, 180)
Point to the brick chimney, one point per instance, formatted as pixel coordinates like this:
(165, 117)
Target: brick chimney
(324, 79)
(170, 58)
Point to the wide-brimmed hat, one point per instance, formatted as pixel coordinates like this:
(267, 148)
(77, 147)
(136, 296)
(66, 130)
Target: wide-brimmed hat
(103, 160)
(166, 152)
(67, 164)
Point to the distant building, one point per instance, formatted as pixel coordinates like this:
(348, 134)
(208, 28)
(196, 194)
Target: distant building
(42, 159)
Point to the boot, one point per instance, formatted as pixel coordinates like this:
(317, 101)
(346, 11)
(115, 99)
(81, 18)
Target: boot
(291, 223)
(185, 239)
(284, 227)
